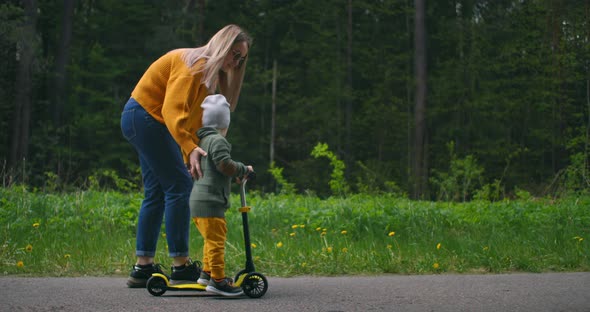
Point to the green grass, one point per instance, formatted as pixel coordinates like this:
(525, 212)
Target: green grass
(93, 233)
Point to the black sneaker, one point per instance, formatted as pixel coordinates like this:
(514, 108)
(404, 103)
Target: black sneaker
(189, 274)
(204, 278)
(139, 275)
(225, 288)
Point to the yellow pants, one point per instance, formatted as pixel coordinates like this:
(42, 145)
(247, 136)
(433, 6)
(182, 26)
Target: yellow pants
(214, 231)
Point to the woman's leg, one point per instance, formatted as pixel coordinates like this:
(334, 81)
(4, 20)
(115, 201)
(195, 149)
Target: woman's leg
(167, 186)
(151, 214)
(152, 207)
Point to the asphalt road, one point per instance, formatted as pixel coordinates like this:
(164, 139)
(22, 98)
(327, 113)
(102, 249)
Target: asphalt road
(505, 292)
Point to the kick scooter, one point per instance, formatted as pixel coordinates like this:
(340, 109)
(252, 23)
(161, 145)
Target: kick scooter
(253, 283)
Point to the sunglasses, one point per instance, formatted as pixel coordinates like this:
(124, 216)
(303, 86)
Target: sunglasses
(237, 57)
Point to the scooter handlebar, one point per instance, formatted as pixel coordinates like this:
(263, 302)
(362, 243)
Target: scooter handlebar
(251, 176)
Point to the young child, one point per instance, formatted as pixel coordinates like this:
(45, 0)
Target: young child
(210, 194)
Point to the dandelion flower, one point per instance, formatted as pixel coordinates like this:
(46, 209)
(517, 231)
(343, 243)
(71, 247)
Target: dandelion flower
(329, 249)
(292, 234)
(302, 226)
(438, 246)
(36, 224)
(435, 266)
(294, 226)
(323, 234)
(486, 248)
(344, 250)
(389, 246)
(343, 232)
(304, 264)
(325, 230)
(391, 233)
(279, 244)
(67, 256)
(29, 248)
(20, 264)
(318, 229)
(253, 245)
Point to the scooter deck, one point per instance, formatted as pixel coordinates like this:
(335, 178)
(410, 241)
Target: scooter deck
(189, 286)
(197, 287)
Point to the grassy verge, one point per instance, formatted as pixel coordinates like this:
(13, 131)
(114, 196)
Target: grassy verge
(93, 233)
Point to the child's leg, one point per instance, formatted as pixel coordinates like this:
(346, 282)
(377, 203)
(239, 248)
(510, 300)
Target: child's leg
(214, 231)
(200, 227)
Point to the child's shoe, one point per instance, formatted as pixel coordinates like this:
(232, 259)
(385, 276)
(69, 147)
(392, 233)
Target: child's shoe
(225, 287)
(204, 278)
(189, 274)
(140, 274)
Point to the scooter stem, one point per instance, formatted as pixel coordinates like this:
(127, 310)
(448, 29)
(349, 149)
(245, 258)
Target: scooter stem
(245, 209)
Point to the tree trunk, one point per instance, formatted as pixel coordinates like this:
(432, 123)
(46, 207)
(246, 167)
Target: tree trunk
(557, 107)
(348, 112)
(62, 59)
(273, 111)
(201, 27)
(409, 86)
(585, 172)
(339, 83)
(23, 86)
(197, 24)
(419, 174)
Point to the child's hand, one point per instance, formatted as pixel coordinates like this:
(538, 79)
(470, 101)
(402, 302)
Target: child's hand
(250, 170)
(239, 180)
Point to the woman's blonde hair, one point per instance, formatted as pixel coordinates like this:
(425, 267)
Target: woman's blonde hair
(214, 52)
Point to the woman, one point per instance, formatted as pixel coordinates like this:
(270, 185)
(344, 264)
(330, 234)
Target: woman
(160, 120)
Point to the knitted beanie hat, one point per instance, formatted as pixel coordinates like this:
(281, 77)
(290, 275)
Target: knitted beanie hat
(215, 112)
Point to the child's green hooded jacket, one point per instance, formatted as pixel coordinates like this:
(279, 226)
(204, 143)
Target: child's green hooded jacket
(210, 194)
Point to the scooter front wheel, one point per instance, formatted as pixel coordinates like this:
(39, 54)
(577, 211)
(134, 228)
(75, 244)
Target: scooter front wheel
(156, 285)
(255, 285)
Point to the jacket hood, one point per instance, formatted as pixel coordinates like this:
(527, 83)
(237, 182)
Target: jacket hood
(206, 131)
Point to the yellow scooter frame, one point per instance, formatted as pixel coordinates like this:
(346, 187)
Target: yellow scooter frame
(253, 283)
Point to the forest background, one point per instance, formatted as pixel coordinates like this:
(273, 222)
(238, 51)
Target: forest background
(449, 100)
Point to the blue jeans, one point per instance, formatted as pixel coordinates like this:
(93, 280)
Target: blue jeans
(166, 181)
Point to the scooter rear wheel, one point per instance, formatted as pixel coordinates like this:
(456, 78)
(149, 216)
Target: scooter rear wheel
(255, 285)
(156, 285)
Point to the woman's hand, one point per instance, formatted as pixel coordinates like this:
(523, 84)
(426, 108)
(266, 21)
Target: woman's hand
(195, 162)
